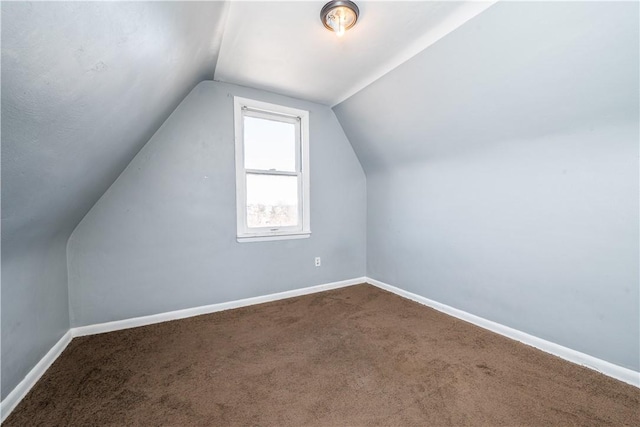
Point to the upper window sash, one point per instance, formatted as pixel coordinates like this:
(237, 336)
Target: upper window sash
(277, 117)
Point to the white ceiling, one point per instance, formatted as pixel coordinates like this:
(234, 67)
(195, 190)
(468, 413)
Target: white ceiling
(283, 47)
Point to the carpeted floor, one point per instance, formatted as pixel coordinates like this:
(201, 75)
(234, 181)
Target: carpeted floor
(356, 356)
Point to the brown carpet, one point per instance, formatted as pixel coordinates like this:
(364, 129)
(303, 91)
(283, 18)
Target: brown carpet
(356, 356)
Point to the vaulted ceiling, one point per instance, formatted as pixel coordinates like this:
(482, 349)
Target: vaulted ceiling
(283, 47)
(86, 84)
(475, 87)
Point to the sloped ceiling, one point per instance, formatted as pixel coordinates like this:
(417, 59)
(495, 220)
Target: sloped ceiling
(283, 46)
(84, 86)
(518, 71)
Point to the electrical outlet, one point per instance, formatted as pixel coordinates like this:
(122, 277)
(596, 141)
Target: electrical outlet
(318, 261)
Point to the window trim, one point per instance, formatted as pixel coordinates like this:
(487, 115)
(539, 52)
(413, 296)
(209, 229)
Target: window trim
(267, 110)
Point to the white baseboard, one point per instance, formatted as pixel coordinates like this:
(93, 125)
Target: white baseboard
(20, 391)
(618, 372)
(206, 309)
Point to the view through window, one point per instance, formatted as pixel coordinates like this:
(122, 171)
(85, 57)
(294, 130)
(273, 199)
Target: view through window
(270, 157)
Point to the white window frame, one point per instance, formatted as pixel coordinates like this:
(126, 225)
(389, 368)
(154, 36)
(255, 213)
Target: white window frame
(248, 107)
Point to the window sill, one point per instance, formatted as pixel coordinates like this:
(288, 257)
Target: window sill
(270, 237)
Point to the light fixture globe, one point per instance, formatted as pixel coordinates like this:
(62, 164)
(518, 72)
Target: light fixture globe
(339, 15)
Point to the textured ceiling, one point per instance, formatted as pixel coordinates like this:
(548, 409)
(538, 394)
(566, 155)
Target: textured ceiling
(283, 47)
(84, 86)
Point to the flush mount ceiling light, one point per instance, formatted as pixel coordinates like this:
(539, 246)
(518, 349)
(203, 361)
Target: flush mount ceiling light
(339, 16)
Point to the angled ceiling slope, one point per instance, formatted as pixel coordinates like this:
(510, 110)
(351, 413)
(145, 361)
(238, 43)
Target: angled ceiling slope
(519, 71)
(283, 47)
(84, 86)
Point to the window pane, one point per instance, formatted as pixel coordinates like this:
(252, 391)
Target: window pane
(272, 201)
(269, 144)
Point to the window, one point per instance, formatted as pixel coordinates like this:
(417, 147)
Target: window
(272, 171)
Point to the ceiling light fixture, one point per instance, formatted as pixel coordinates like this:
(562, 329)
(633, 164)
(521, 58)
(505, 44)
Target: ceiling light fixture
(339, 16)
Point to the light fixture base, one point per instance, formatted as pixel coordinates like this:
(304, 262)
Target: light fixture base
(333, 5)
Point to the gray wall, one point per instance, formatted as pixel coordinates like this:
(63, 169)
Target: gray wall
(163, 236)
(35, 303)
(84, 86)
(502, 172)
